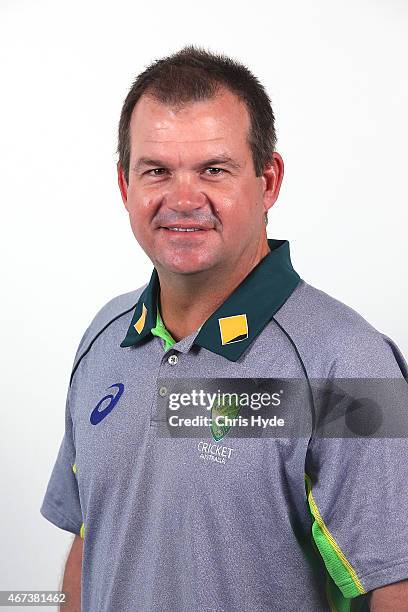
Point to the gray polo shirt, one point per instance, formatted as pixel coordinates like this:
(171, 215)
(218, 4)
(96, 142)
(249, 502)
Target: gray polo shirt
(217, 521)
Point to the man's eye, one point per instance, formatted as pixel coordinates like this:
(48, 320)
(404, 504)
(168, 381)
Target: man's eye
(217, 171)
(156, 171)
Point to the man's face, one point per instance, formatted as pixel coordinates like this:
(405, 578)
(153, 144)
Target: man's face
(192, 169)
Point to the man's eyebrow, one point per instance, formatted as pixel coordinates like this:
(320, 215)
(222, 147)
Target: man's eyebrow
(221, 159)
(213, 161)
(147, 161)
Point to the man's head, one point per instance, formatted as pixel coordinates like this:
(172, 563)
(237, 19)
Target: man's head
(196, 150)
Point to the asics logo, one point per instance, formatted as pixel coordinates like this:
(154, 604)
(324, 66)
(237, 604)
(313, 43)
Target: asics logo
(98, 415)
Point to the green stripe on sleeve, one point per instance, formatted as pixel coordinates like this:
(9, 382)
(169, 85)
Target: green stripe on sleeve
(337, 565)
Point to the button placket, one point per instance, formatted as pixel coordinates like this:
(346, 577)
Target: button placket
(164, 389)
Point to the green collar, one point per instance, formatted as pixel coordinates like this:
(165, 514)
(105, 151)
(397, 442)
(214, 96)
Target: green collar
(161, 331)
(231, 329)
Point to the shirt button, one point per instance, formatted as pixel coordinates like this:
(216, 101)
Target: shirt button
(162, 391)
(173, 359)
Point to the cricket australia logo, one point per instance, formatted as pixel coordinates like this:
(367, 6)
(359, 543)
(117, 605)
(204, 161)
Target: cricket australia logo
(214, 452)
(223, 412)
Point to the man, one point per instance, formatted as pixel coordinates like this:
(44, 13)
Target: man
(222, 521)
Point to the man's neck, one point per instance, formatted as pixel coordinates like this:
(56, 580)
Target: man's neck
(187, 301)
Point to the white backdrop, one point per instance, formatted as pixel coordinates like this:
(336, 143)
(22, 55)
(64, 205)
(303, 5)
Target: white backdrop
(336, 73)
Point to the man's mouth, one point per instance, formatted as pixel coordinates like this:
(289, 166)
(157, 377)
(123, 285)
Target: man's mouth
(188, 227)
(184, 229)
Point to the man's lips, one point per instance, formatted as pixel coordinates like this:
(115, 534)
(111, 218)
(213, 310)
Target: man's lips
(186, 228)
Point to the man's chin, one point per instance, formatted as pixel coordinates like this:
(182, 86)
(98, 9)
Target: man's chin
(186, 270)
(185, 265)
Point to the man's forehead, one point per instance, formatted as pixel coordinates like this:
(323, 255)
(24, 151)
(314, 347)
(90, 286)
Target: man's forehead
(191, 140)
(206, 120)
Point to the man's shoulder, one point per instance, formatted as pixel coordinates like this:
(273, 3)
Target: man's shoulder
(116, 307)
(113, 310)
(333, 337)
(321, 312)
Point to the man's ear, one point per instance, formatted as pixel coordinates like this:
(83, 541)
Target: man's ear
(272, 178)
(122, 184)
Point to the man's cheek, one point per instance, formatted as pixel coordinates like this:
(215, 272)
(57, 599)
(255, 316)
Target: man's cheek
(139, 228)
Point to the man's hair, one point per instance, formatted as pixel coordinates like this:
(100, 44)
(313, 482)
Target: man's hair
(192, 75)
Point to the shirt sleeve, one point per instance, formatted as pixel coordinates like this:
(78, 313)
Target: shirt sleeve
(356, 487)
(61, 504)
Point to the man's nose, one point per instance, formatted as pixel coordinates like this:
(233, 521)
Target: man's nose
(184, 194)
